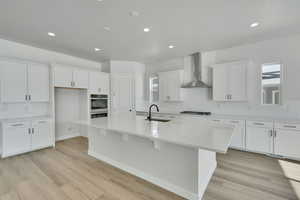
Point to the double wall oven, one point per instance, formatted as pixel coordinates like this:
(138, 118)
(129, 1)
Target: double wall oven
(99, 105)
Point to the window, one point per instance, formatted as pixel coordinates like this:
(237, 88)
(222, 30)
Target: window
(154, 88)
(271, 84)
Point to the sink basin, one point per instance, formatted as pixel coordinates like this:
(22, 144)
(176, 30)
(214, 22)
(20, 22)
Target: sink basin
(159, 120)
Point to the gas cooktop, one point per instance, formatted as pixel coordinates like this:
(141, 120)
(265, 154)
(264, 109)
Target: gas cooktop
(195, 113)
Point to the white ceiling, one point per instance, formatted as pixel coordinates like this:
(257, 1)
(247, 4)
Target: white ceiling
(190, 25)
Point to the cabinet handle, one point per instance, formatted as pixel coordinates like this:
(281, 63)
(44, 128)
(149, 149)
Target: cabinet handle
(29, 97)
(275, 133)
(29, 131)
(271, 133)
(289, 126)
(42, 122)
(32, 130)
(16, 125)
(236, 122)
(74, 83)
(257, 123)
(25, 97)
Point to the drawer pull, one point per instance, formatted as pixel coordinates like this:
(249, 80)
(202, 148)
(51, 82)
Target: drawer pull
(42, 122)
(236, 122)
(17, 125)
(289, 126)
(257, 123)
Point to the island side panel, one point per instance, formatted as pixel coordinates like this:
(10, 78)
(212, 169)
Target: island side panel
(207, 164)
(172, 167)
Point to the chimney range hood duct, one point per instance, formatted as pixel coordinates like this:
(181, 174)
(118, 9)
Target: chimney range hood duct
(196, 70)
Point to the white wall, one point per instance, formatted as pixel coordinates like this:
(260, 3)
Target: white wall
(284, 50)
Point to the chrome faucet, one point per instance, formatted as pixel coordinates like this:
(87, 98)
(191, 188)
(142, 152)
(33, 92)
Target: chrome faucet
(150, 108)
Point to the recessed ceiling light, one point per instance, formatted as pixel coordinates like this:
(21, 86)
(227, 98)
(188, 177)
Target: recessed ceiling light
(255, 24)
(146, 30)
(51, 34)
(107, 28)
(171, 46)
(97, 49)
(134, 13)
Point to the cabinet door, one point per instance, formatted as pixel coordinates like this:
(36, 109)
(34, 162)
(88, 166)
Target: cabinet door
(237, 82)
(16, 138)
(81, 78)
(63, 76)
(38, 83)
(99, 83)
(123, 93)
(164, 87)
(220, 83)
(287, 143)
(41, 134)
(238, 138)
(13, 81)
(174, 85)
(105, 86)
(259, 139)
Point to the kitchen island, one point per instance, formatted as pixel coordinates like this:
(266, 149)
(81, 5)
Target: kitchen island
(178, 155)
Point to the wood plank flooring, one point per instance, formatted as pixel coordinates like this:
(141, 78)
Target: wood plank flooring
(68, 173)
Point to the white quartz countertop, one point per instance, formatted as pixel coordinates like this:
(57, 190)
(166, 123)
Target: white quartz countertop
(239, 117)
(184, 130)
(25, 118)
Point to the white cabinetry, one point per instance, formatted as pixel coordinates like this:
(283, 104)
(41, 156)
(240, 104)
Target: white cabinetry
(229, 81)
(99, 83)
(16, 138)
(239, 137)
(287, 140)
(70, 77)
(41, 135)
(21, 82)
(24, 136)
(38, 83)
(170, 85)
(259, 136)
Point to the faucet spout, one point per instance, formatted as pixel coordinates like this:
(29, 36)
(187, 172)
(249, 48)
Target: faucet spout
(150, 110)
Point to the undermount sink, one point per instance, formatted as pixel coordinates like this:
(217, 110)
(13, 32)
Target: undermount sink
(159, 120)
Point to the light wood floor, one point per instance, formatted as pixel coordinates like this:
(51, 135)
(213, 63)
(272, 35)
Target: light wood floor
(68, 173)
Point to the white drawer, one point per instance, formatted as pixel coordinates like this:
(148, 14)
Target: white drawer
(289, 126)
(260, 124)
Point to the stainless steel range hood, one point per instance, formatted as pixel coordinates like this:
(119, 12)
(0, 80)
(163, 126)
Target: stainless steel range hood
(194, 71)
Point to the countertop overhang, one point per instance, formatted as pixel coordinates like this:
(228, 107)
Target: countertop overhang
(184, 130)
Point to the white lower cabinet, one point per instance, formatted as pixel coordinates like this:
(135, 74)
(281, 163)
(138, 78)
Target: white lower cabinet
(287, 140)
(259, 137)
(41, 134)
(238, 138)
(15, 138)
(25, 136)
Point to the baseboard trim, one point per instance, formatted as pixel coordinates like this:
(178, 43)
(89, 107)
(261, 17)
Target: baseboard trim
(65, 137)
(161, 183)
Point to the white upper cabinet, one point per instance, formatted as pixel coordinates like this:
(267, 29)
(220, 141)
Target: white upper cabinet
(63, 76)
(13, 81)
(170, 85)
(99, 83)
(229, 81)
(38, 83)
(69, 77)
(21, 82)
(80, 78)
